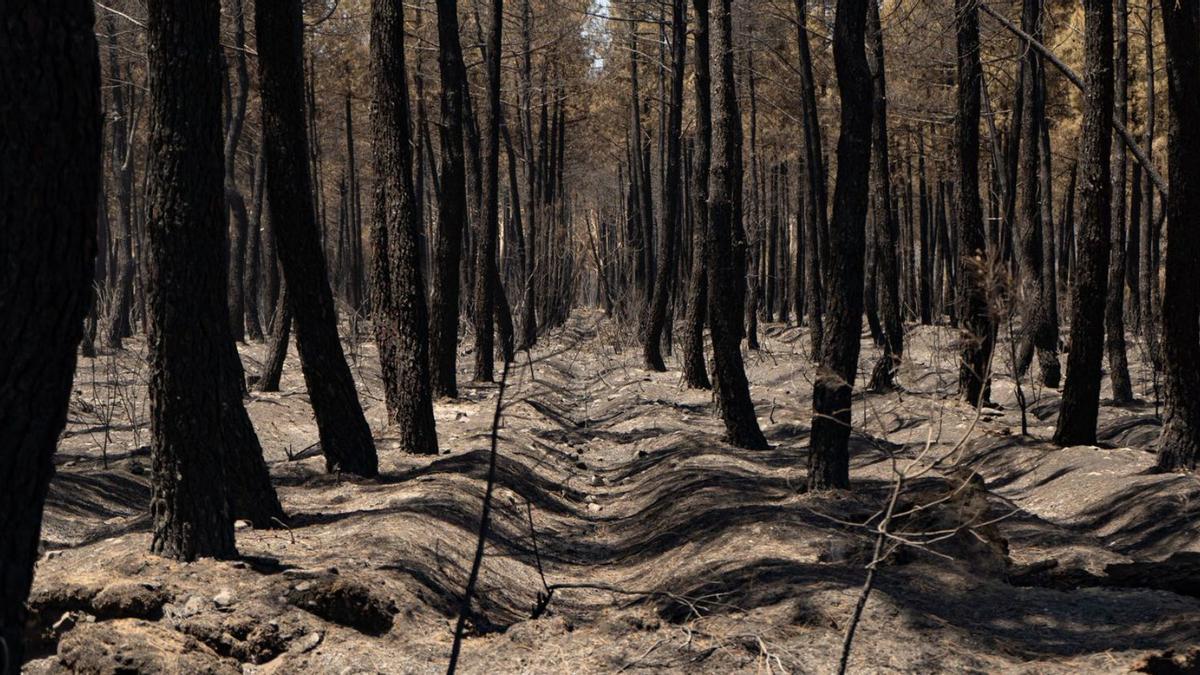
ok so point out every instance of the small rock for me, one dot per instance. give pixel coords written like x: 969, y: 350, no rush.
x: 597, y: 481
x: 225, y: 598
x: 241, y: 525
x: 129, y: 599
x: 307, y: 643
x: 51, y: 555
x: 594, y: 508
x: 192, y: 607
x: 581, y: 465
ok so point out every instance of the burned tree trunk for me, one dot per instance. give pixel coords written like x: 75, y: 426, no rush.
x: 817, y: 225
x: 733, y: 390
x: 1037, y: 330
x: 51, y: 145
x: 829, y: 455
x: 238, y: 218
x: 397, y: 289
x: 978, y: 334
x: 489, y: 221
x: 191, y: 511
x: 1114, y: 309
x: 887, y: 237
x: 114, y: 325
x: 345, y: 437
x: 1179, y: 445
x: 694, y: 370
x: 1081, y: 393
x: 452, y: 202
x: 665, y: 276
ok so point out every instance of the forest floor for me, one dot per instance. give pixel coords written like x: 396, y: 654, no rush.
x: 666, y: 549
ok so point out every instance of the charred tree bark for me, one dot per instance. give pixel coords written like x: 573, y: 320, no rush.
x: 489, y: 223
x: 887, y: 235
x: 397, y: 289
x: 665, y: 276
x: 50, y: 146
x: 277, y: 347
x: 829, y: 455
x: 452, y: 202
x: 189, y: 319
x: 1037, y: 332
x: 1081, y: 393
x: 1114, y: 309
x: 238, y: 218
x: 114, y: 324
x: 695, y: 374
x: 817, y: 224
x: 978, y: 334
x: 345, y: 437
x: 732, y: 388
x: 1179, y: 445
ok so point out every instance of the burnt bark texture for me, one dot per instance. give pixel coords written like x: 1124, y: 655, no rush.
x: 978, y: 332
x: 695, y: 374
x: 452, y: 207
x: 486, y: 276
x: 732, y: 387
x: 829, y: 455
x: 887, y: 230
x: 1081, y: 392
x: 1114, y: 309
x: 816, y: 214
x: 1037, y: 330
x: 50, y: 149
x: 664, y: 278
x: 345, y: 437
x: 397, y: 289
x: 1179, y: 445
x: 189, y: 319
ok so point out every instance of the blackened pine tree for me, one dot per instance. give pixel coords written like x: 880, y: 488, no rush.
x: 664, y: 278
x: 694, y: 373
x: 1081, y: 392
x: 1179, y: 445
x: 50, y: 148
x: 816, y: 218
x: 978, y: 330
x: 828, y: 455
x: 397, y: 288
x: 887, y: 230
x: 345, y: 437
x: 188, y: 315
x: 1038, y: 329
x: 452, y: 207
x: 486, y: 276
x: 732, y: 388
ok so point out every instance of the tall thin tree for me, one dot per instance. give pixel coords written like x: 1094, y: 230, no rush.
x: 978, y: 334
x: 452, y: 207
x: 664, y: 278
x: 1081, y: 393
x: 828, y: 455
x: 724, y: 182
x: 1179, y: 445
x: 397, y: 288
x: 345, y: 437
